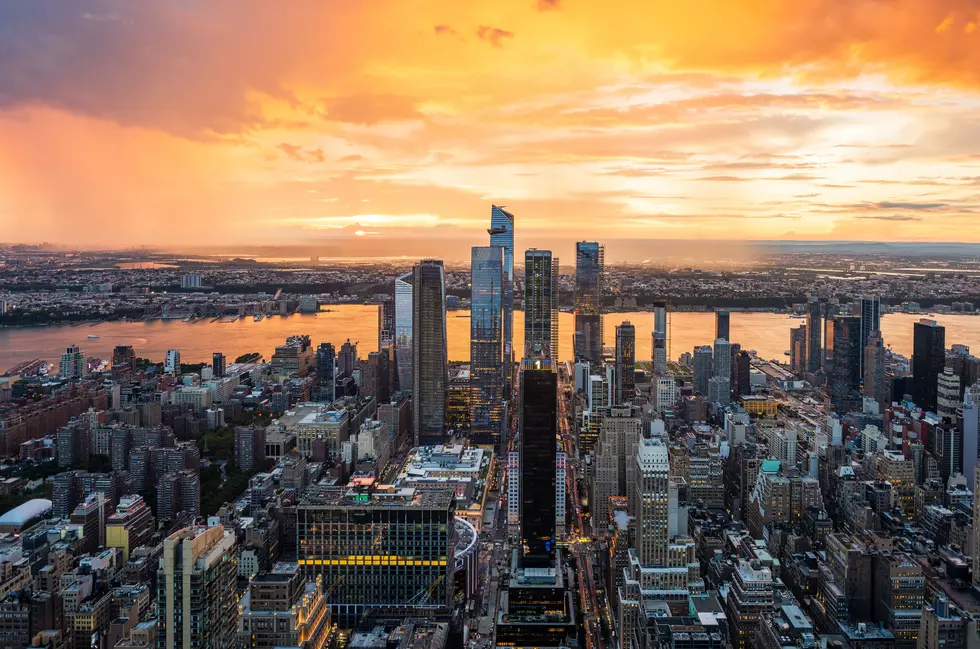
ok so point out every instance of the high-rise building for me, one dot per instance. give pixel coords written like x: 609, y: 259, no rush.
x: 326, y: 379
x: 196, y: 593
x: 702, y: 369
x: 486, y: 344
x: 123, y: 362
x: 249, y: 446
x: 721, y: 374
x: 281, y: 608
x: 589, y: 271
x: 749, y: 598
x: 501, y: 233
x: 742, y: 367
x: 928, y: 361
x: 540, y: 303
x: 296, y: 357
x: 131, y: 526
x: 172, y: 363
x: 875, y: 381
x: 723, y: 325
x: 404, y: 312
x: 625, y: 363
x: 968, y: 421
x: 814, y: 328
x: 430, y: 372
x: 650, y: 502
x: 660, y: 338
x: 538, y: 443
x: 191, y: 280
x: 944, y: 626
x: 72, y: 365
x: 218, y: 364
x: 347, y: 359
x: 845, y: 379
x: 948, y: 394
x: 870, y: 320
x: 386, y: 322
x: 614, y: 470
x: 797, y: 349
x: 378, y: 548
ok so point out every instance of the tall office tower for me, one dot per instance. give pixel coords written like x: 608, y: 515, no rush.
x: 196, y: 594
x: 513, y: 489
x: 928, y: 361
x: 720, y: 383
x: 875, y: 385
x: 378, y: 547
x: 947, y: 394
x: 555, y: 307
x: 281, y: 608
x: 845, y: 379
x: 131, y: 526
x: 968, y: 422
x: 650, y: 502
x: 326, y: 373
x: 486, y: 344
x: 430, y: 373
x: 743, y: 374
x: 172, y: 363
x: 347, y: 359
x: 750, y: 596
x: 72, y: 364
x: 538, y: 442
x: 723, y: 325
x: 404, y: 312
x: 123, y: 362
x: 589, y: 270
x: 615, y: 470
x: 702, y: 368
x: 540, y: 303
x: 218, y: 364
x: 814, y: 327
x: 660, y: 338
x: 386, y: 322
x: 797, y: 349
x: 561, y: 494
x: 625, y: 363
x: 870, y: 320
x: 502, y: 236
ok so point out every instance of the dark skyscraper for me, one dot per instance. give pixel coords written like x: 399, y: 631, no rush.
x: 218, y: 364
x: 928, y: 361
x: 386, y: 322
x: 873, y: 371
x: 486, y: 344
x: 538, y: 442
x: 625, y: 363
x: 502, y: 236
x: 845, y: 379
x: 429, y: 362
x: 540, y: 303
x: 589, y: 264
x: 743, y: 377
x: 723, y: 325
x: 660, y: 338
x: 798, y: 349
x: 326, y: 359
x: 123, y: 362
x: 814, y: 328
x: 702, y: 368
x: 870, y: 320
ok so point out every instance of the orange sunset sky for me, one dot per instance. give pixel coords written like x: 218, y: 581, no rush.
x: 235, y: 122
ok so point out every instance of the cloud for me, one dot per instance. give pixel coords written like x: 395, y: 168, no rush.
x: 726, y: 179
x: 493, y: 35
x: 351, y: 158
x: 370, y: 109
x: 548, y: 5
x: 890, y: 205
x: 892, y: 217
x: 445, y: 30
x: 295, y: 152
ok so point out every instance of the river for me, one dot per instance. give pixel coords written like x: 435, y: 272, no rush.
x: 767, y: 333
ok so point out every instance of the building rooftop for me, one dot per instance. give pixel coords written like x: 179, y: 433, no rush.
x: 378, y: 496
x: 25, y: 512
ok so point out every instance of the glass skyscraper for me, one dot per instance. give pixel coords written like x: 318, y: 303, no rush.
x: 814, y: 328
x: 870, y: 320
x: 502, y: 236
x: 928, y: 361
x: 540, y: 304
x: 589, y: 263
x: 486, y: 344
x: 403, y: 331
x: 625, y: 363
x: 845, y: 381
x: 538, y: 447
x: 429, y: 356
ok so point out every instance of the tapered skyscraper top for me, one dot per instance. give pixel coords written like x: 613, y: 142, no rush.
x: 429, y: 356
x: 589, y: 267
x: 501, y: 233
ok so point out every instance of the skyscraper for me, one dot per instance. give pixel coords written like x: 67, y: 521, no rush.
x: 723, y: 324
x: 870, y: 320
x: 326, y: 379
x: 928, y: 360
x: 660, y: 338
x: 948, y: 394
x: 845, y: 378
x: 429, y: 357
x: 797, y: 349
x: 123, y: 362
x: 502, y: 236
x: 743, y: 373
x: 540, y: 303
x: 486, y: 343
x: 814, y: 327
x: 196, y: 594
x: 404, y: 312
x: 875, y: 386
x: 589, y: 270
x: 625, y: 363
x: 651, y: 506
x: 702, y: 368
x: 172, y: 363
x: 538, y: 442
x: 386, y: 322
x: 72, y: 365
x: 218, y: 364
x: 347, y: 359
x: 721, y: 374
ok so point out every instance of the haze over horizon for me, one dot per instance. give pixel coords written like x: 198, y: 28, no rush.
x: 392, y: 126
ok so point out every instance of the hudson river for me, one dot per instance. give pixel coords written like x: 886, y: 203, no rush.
x: 767, y: 333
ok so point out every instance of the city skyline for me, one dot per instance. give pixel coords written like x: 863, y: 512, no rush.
x: 811, y: 122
